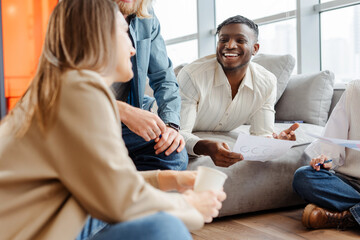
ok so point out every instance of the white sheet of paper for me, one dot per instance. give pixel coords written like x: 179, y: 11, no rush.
x: 353, y: 144
x: 256, y: 148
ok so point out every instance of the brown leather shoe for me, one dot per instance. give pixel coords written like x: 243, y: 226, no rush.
x: 315, y: 217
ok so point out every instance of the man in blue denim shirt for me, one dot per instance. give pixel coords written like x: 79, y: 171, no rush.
x: 153, y: 140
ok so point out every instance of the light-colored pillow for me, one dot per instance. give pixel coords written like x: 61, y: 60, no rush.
x: 280, y: 65
x: 307, y: 98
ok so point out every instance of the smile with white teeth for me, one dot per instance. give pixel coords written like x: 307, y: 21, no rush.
x: 231, y: 54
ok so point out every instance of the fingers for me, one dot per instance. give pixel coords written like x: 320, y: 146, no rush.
x: 226, y: 158
x: 285, y: 136
x: 221, y: 196
x: 294, y: 126
x: 174, y: 145
x: 288, y: 134
x: 214, y: 205
x: 327, y: 166
x: 151, y: 134
x: 292, y: 136
x: 234, y: 155
x: 170, y: 141
x: 161, y: 125
x: 182, y: 145
x: 225, y: 162
x: 317, y: 162
x: 208, y: 203
x: 229, y: 154
x: 225, y: 146
x: 163, y: 143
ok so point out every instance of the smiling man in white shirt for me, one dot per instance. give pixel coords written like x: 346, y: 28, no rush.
x: 223, y: 91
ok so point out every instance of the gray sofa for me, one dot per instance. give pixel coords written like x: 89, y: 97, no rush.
x: 254, y: 186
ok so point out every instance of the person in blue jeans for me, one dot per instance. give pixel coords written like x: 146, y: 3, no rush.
x: 153, y: 141
x: 332, y: 181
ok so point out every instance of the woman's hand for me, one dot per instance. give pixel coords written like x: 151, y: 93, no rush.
x: 208, y: 203
x: 176, y: 180
x: 320, y: 161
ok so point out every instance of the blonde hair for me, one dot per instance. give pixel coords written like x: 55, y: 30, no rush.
x: 80, y: 35
x: 141, y: 8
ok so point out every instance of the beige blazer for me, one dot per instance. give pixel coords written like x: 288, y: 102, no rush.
x: 49, y: 184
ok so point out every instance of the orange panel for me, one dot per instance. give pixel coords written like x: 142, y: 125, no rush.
x: 12, y: 101
x: 24, y: 27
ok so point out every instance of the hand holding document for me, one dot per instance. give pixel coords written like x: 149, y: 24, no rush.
x: 256, y: 148
x: 353, y: 144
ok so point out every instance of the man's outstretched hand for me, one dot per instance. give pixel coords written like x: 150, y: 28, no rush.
x: 218, y: 151
x: 288, y: 134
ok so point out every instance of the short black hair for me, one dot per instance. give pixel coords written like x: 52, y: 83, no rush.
x: 241, y: 20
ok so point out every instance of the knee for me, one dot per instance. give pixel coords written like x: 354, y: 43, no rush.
x: 301, y: 177
x: 168, y: 226
x: 179, y: 161
x: 184, y: 159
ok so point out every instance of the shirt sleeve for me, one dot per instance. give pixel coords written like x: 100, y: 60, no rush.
x: 162, y: 78
x: 189, y: 106
x: 336, y: 127
x: 151, y: 177
x: 262, y: 122
x: 92, y: 161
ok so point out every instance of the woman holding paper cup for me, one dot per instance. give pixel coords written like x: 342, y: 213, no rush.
x: 332, y: 181
x: 62, y: 158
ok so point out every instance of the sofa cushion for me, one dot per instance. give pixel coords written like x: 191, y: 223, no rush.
x: 280, y: 65
x: 307, y: 98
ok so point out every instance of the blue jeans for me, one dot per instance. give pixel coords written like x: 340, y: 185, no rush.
x: 143, y: 154
x: 159, y: 226
x: 328, y: 190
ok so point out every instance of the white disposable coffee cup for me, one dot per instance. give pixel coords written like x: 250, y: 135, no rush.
x: 209, y: 179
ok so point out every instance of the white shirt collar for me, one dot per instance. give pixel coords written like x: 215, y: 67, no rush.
x: 220, y: 77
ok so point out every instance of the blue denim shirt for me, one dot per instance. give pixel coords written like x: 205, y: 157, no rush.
x: 151, y: 61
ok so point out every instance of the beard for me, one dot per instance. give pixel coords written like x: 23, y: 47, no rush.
x: 231, y: 69
x: 127, y: 8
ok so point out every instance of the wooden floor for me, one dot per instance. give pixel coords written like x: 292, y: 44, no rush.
x: 275, y: 224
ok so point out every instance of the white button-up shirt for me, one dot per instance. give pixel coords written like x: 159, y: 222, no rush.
x: 207, y: 103
x: 343, y: 124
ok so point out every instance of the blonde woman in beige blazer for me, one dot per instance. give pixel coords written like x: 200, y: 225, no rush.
x: 62, y: 158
